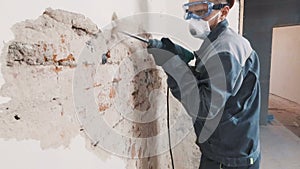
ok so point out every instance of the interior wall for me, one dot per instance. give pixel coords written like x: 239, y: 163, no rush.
x: 29, y: 153
x: 285, y: 70
x: 259, y: 19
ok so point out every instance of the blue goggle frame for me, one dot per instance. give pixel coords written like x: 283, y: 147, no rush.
x: 211, y: 6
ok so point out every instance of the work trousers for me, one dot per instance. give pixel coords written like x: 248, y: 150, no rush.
x: 207, y: 163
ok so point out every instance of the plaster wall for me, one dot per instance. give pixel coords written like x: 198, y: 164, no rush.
x: 285, y: 63
x: 40, y: 139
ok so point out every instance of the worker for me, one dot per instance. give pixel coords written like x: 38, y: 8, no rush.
x: 226, y: 73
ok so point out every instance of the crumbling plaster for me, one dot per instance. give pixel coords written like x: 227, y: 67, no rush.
x: 22, y: 122
x: 38, y: 68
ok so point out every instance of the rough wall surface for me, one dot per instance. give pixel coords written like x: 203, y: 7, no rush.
x: 38, y: 67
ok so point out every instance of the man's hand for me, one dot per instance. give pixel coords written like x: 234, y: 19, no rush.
x: 165, y: 49
x: 162, y: 50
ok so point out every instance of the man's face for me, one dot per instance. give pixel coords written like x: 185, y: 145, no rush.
x: 201, y: 9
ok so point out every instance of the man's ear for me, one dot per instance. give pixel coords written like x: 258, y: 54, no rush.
x: 224, y: 12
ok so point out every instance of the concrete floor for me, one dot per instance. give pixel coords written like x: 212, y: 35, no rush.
x: 281, y: 138
x: 285, y: 111
x: 280, y: 148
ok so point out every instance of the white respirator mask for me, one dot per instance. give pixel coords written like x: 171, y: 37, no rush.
x: 200, y: 28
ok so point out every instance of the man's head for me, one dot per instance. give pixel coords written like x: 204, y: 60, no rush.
x: 209, y: 12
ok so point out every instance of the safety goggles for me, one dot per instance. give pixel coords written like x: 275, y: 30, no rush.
x: 200, y: 9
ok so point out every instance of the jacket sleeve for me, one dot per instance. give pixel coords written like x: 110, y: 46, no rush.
x: 204, y: 89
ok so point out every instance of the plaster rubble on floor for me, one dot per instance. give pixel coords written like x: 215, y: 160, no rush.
x: 38, y: 68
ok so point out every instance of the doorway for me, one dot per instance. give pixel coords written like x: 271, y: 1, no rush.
x: 284, y: 99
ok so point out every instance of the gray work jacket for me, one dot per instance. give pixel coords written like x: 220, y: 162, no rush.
x: 226, y: 74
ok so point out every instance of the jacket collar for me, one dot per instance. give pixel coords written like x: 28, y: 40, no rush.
x: 217, y: 30
x: 213, y: 35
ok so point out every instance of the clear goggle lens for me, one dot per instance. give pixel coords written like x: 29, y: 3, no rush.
x: 200, y: 9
